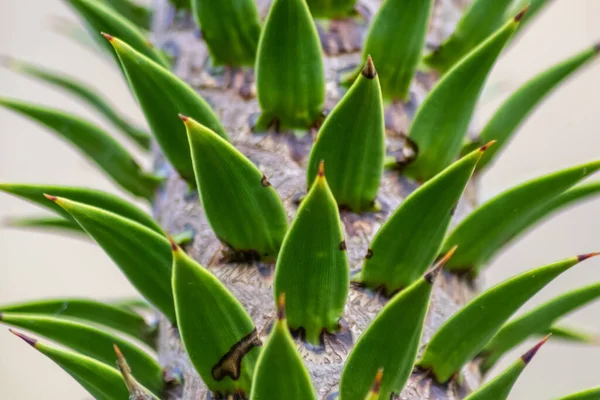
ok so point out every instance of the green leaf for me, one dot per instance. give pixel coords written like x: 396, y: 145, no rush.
x: 280, y: 372
x: 476, y: 25
x: 410, y: 240
x: 100, y: 380
x: 499, y: 388
x: 242, y: 207
x: 91, y: 197
x: 352, y: 144
x: 100, y: 17
x: 143, y: 255
x: 515, y: 110
x: 590, y: 394
x: 333, y: 9
x: 136, y: 390
x: 57, y: 224
x: 376, y: 388
x: 218, y: 334
x: 466, y: 333
x: 90, y: 311
x: 75, y: 32
x: 312, y: 268
x: 162, y: 96
x: 402, y: 317
x: 535, y: 7
x: 537, y: 321
x: 91, y: 342
x: 490, y: 226
x: 181, y: 4
x: 137, y: 14
x: 442, y: 120
x: 94, y: 143
x: 290, y: 76
x: 230, y: 28
x: 85, y: 93
x: 395, y: 41
x: 574, y: 335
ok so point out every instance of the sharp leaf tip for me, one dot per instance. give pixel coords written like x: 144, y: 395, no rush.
x: 583, y: 257
x: 29, y: 340
x: 439, y: 265
x: 321, y: 170
x: 487, y: 145
x: 520, y: 15
x: 369, y: 70
x: 281, y: 307
x: 50, y: 197
x: 108, y: 37
x: 531, y: 352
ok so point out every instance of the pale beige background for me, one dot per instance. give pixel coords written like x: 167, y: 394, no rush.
x: 565, y: 131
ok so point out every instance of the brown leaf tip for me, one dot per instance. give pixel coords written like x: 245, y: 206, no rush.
x: 184, y: 118
x: 108, y: 37
x: 439, y: 265
x: 281, y: 307
x: 50, y: 197
x: 487, y: 145
x: 520, y: 15
x: 321, y: 170
x: 583, y: 257
x: 30, y: 341
x: 369, y: 71
x: 118, y: 352
x: 531, y: 352
x: 174, y: 245
x: 377, y: 384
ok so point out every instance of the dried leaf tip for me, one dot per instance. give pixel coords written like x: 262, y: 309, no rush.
x: 321, y: 170
x: 531, y: 352
x: 377, y: 384
x: 583, y: 257
x: 50, y: 197
x: 520, y: 15
x: 108, y: 37
x: 27, y: 339
x: 281, y: 307
x: 174, y: 246
x: 369, y: 71
x: 435, y: 271
x: 487, y: 145
x: 184, y: 118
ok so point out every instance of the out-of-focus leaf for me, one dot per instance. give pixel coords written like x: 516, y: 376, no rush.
x: 91, y: 342
x: 143, y: 255
x: 410, y: 239
x: 466, y: 333
x: 74, y: 31
x: 331, y: 8
x: 280, y: 371
x: 139, y: 15
x: 496, y: 221
x: 162, y: 96
x: 574, y: 335
x: 352, y: 144
x: 218, y: 334
x: 402, y: 317
x: 85, y: 93
x: 110, y: 156
x: 537, y: 321
x: 91, y: 311
x: 312, y: 269
x: 91, y: 197
x: 230, y: 28
x: 535, y: 7
x: 515, y: 110
x: 590, y: 394
x: 290, y: 77
x: 241, y: 205
x: 57, y: 224
x: 442, y: 120
x: 376, y: 388
x: 395, y: 41
x: 499, y: 388
x: 136, y: 390
x: 181, y: 4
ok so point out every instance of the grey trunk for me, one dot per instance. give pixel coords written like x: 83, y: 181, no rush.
x: 281, y: 157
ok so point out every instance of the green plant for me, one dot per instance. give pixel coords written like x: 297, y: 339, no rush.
x: 274, y: 296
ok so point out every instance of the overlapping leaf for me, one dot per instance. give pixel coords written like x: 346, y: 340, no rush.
x: 136, y: 390
x: 136, y: 13
x: 53, y: 224
x: 466, y: 333
x: 570, y: 334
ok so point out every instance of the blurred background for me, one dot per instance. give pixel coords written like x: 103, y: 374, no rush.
x: 565, y: 131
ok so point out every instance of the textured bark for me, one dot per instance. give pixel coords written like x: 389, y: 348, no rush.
x: 282, y: 157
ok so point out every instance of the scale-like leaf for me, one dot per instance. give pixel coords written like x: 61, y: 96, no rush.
x: 537, y: 321
x: 110, y: 156
x: 442, y: 120
x: 138, y: 15
x: 410, y: 240
x: 466, y: 333
x: 100, y: 380
x: 162, y: 96
x: 280, y: 372
x: 574, y: 335
x: 332, y: 9
x: 230, y: 28
x: 476, y: 24
x: 241, y: 205
x: 136, y: 390
x: 91, y: 197
x: 590, y: 394
x: 499, y: 388
x: 496, y: 221
x: 91, y: 342
x: 312, y: 268
x: 515, y: 110
x: 352, y: 144
x: 85, y: 93
x: 218, y: 334
x: 376, y: 388
x: 398, y: 326
x: 56, y: 224
x: 91, y: 311
x: 143, y: 255
x: 395, y: 41
x: 290, y: 77
x: 99, y: 17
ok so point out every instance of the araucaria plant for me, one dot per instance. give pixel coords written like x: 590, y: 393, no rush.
x: 307, y: 176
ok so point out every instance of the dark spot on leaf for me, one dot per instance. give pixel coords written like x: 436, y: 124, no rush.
x: 265, y: 182
x: 369, y: 254
x: 231, y: 363
x: 343, y: 245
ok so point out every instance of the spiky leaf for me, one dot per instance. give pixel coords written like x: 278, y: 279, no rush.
x: 162, y: 96
x: 395, y: 41
x: 290, y: 77
x: 136, y: 13
x: 352, y: 144
x: 590, y: 394
x: 143, y: 255
x: 411, y: 238
x: 442, y: 120
x: 331, y: 8
x: 312, y: 269
x: 218, y: 334
x: 241, y: 205
x: 465, y: 334
x: 496, y: 221
x: 136, y: 390
x: 535, y: 7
